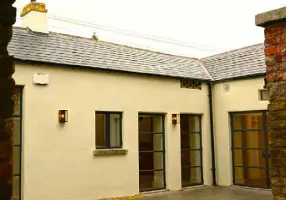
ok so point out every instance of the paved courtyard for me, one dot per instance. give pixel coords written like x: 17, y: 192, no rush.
x: 211, y: 193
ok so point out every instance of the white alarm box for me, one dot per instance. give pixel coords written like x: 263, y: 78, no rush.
x: 41, y: 79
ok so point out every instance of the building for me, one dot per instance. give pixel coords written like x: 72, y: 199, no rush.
x: 95, y: 119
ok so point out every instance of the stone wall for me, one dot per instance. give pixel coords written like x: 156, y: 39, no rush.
x: 275, y: 59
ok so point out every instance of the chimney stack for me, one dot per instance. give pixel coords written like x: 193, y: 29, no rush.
x: 34, y: 16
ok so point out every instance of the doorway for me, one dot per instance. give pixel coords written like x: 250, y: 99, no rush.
x: 250, y: 153
x: 151, y: 152
x: 191, y: 150
x: 17, y: 145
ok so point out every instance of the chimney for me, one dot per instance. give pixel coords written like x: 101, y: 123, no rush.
x: 34, y: 16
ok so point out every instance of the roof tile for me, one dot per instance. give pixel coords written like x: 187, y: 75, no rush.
x: 71, y: 50
x: 236, y: 63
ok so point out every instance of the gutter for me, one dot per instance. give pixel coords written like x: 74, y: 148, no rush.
x: 108, y: 70
x: 212, y: 133
x: 250, y: 76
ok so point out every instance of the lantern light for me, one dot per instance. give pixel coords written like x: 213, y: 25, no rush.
x: 174, y: 119
x: 63, y: 116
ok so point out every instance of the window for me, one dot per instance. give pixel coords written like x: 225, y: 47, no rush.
x: 108, y: 130
x: 264, y: 95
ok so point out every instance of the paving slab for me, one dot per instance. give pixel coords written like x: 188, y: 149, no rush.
x: 213, y: 193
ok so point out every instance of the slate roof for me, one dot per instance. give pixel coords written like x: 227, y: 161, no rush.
x: 242, y: 62
x: 70, y: 50
x: 77, y: 51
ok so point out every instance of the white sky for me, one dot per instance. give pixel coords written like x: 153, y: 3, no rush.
x: 204, y: 27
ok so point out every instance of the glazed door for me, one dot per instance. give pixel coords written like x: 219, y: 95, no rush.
x: 250, y: 149
x: 151, y: 152
x: 191, y: 150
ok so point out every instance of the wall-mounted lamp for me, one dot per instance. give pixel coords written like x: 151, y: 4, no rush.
x: 174, y: 119
x: 265, y: 83
x: 63, y: 116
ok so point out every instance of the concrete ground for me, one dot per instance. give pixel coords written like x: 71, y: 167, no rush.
x: 211, y: 193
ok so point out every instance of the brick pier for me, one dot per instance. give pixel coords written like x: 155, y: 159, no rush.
x: 274, y: 23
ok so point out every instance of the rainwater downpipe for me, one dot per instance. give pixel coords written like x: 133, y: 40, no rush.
x: 212, y: 133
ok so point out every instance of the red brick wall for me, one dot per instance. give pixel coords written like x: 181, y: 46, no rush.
x: 275, y: 52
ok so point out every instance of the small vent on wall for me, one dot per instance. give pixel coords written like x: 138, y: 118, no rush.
x: 191, y: 84
x: 226, y: 87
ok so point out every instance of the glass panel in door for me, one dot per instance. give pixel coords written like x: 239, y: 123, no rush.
x: 191, y: 150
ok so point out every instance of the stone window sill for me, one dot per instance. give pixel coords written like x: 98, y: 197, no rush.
x: 109, y: 152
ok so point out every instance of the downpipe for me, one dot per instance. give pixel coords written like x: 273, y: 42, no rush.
x: 212, y: 133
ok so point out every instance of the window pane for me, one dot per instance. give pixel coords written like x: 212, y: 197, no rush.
x: 157, y: 124
x: 184, y: 123
x: 115, y: 126
x: 151, y: 180
x: 16, y: 159
x: 16, y: 187
x: 194, y: 124
x: 16, y: 130
x: 249, y: 139
x: 195, y: 157
x: 145, y: 124
x: 250, y: 176
x: 100, y: 131
x: 150, y: 124
x: 190, y: 158
x: 191, y: 176
x: 151, y: 160
x: 248, y: 121
x: 237, y: 139
x: 254, y: 139
x: 190, y: 123
x: 253, y: 158
x: 151, y: 142
x: 17, y: 103
x: 190, y: 141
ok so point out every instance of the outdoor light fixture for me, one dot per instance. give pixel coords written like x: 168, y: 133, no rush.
x: 63, y: 116
x: 174, y: 119
x: 265, y: 83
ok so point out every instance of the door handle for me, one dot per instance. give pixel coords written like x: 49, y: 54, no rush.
x: 266, y: 155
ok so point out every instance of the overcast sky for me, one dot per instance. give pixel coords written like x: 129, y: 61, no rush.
x: 184, y: 27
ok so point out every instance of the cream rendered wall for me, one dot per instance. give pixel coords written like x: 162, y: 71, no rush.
x: 242, y: 96
x: 58, y: 161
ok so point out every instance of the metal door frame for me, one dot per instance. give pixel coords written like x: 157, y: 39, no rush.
x: 265, y: 150
x: 200, y: 149
x: 20, y: 145
x: 163, y: 151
